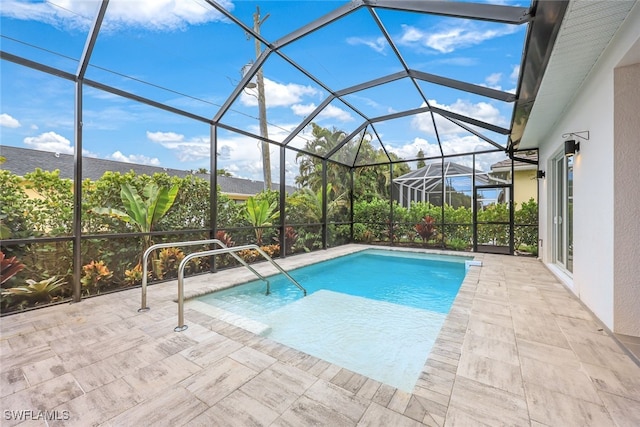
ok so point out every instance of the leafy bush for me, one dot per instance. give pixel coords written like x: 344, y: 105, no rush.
x: 457, y: 244
x: 526, y: 225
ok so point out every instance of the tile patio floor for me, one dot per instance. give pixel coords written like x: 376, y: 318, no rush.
x: 516, y: 349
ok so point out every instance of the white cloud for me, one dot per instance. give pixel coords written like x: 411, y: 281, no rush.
x: 333, y: 112
x: 303, y: 110
x: 49, y: 141
x: 515, y: 73
x: 454, y: 145
x: 243, y: 157
x: 329, y: 112
x: 278, y: 94
x: 493, y: 81
x: 138, y: 159
x: 482, y: 111
x: 449, y: 39
x: 410, y: 150
x: 164, y: 137
x: 378, y: 44
x: 159, y: 15
x: 186, y: 150
x: 8, y: 122
x: 461, y: 61
x: 239, y: 154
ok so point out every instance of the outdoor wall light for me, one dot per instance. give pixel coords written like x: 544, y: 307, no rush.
x: 571, y: 146
x: 541, y: 174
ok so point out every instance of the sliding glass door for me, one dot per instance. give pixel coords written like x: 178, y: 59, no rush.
x: 563, y: 212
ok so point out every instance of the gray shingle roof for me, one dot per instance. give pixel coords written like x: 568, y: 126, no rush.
x: 505, y: 165
x: 21, y: 161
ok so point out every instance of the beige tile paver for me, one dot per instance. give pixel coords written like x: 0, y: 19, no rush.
x: 516, y: 349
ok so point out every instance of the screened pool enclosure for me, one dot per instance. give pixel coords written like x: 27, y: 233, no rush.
x: 359, y: 121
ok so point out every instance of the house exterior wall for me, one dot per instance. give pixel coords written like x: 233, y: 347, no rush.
x: 595, y: 192
x: 626, y: 273
x: 525, y: 186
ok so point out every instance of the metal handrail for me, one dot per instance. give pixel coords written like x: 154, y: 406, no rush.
x: 181, y: 326
x: 145, y: 257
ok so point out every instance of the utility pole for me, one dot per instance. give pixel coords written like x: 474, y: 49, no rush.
x: 262, y: 108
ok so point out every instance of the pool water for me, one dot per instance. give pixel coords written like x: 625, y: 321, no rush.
x: 375, y: 312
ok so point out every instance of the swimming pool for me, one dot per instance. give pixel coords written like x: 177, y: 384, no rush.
x: 375, y: 312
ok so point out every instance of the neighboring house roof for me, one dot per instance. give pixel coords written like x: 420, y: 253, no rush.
x: 21, y: 161
x: 505, y: 165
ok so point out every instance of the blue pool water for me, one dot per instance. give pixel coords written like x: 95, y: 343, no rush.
x: 375, y: 312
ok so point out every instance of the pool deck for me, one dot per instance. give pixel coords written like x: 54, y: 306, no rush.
x: 516, y: 349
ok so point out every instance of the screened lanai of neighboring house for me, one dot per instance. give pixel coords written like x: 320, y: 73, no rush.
x: 425, y: 184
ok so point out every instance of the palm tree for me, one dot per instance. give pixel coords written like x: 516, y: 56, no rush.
x: 324, y: 140
x: 420, y: 157
x: 370, y: 180
x: 314, y: 202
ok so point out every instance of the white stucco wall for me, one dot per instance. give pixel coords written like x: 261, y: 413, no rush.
x: 592, y: 110
x: 626, y: 303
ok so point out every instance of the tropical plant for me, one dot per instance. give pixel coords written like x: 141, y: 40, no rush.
x: 93, y: 274
x: 324, y: 140
x: 420, y: 156
x: 36, y: 292
x: 143, y: 211
x: 225, y: 238
x: 369, y: 181
x: 290, y: 239
x: 260, y: 213
x: 271, y: 250
x: 134, y: 275
x: 9, y: 268
x: 310, y: 203
x: 169, y: 260
x: 426, y: 228
x: 392, y: 231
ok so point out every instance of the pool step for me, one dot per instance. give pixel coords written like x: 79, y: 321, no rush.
x: 246, y: 308
x: 250, y: 325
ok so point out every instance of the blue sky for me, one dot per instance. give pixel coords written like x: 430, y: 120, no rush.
x: 184, y: 54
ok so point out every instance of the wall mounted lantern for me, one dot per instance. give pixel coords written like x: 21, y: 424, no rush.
x: 572, y: 146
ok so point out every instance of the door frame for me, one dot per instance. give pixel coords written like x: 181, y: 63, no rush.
x: 483, y: 247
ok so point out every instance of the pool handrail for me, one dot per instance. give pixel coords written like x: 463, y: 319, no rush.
x: 181, y: 326
x: 145, y: 257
